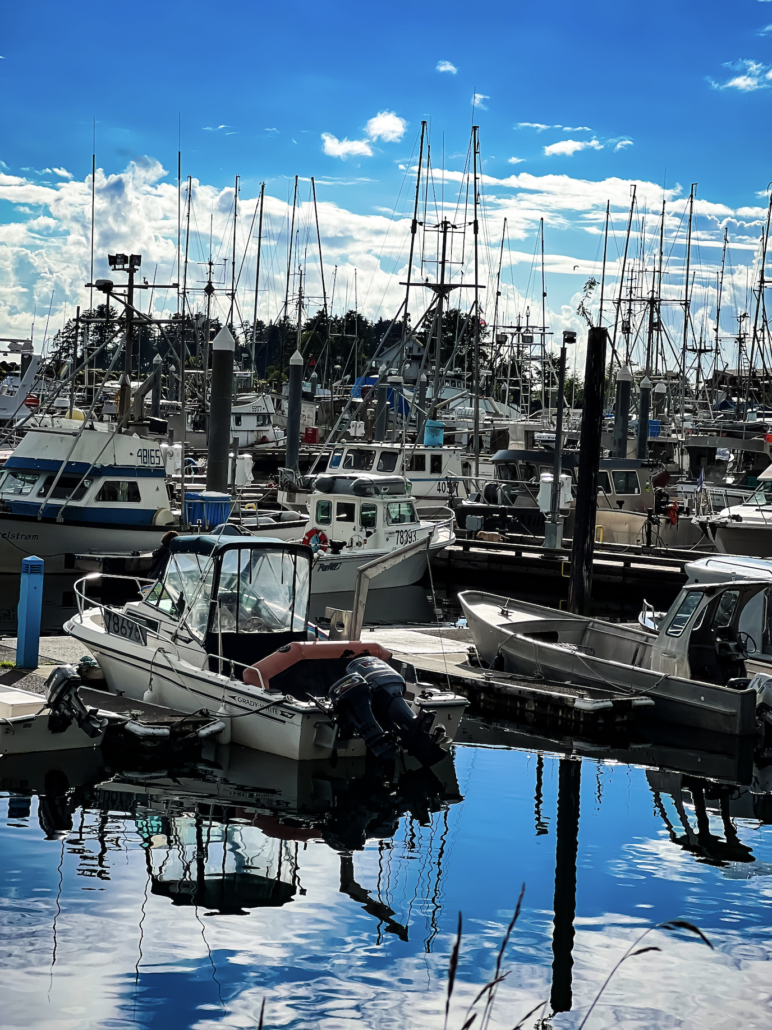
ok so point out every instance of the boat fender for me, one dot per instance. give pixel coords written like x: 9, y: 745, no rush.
x: 227, y: 730
x: 211, y: 729
x: 163, y: 517
x: 145, y: 732
x: 351, y: 697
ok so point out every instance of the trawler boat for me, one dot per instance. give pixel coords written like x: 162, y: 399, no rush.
x: 16, y: 398
x: 225, y: 629
x: 91, y: 490
x: 435, y: 473
x: 357, y: 517
x: 693, y: 664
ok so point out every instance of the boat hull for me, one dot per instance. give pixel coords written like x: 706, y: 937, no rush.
x: 687, y: 702
x: 56, y: 543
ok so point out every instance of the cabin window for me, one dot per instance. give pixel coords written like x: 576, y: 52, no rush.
x: 604, y: 485
x: 345, y: 512
x: 323, y: 513
x: 398, y: 512
x: 19, y: 484
x: 625, y: 482
x: 436, y: 464
x: 685, y: 611
x: 335, y: 457
x: 262, y: 419
x: 360, y: 460
x: 114, y: 492
x: 368, y: 516
x: 65, y: 487
x: 387, y: 461
x: 726, y: 609
x: 262, y: 592
x: 237, y: 420
x: 418, y: 463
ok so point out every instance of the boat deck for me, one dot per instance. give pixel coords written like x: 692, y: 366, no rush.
x: 445, y: 656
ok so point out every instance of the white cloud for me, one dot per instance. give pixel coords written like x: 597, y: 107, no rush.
x: 516, y: 160
x: 344, y: 148
x: 446, y: 66
x: 623, y: 143
x: 477, y: 100
x: 575, y: 128
x: 386, y: 126
x: 567, y: 147
x: 765, y: 31
x: 539, y: 126
x: 270, y: 130
x: 62, y: 173
x: 215, y: 128
x: 752, y: 75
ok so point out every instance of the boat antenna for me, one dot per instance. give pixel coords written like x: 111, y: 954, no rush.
x: 686, y: 302
x: 257, y: 270
x: 476, y: 370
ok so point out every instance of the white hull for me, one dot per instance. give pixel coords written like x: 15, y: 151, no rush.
x: 337, y: 573
x: 22, y: 538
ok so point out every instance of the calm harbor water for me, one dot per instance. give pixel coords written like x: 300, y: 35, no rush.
x: 184, y: 897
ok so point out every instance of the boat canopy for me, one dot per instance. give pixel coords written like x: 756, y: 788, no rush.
x: 362, y: 485
x: 209, y: 543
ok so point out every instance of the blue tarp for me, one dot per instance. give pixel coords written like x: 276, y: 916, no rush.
x: 356, y: 391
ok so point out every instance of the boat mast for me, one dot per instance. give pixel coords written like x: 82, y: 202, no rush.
x: 686, y: 302
x: 257, y: 270
x: 759, y: 299
x: 543, y: 321
x: 232, y: 312
x: 622, y: 282
x: 289, y: 269
x: 413, y: 229
x: 719, y: 298
x: 475, y: 231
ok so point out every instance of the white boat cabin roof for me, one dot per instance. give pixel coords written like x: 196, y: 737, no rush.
x: 362, y: 485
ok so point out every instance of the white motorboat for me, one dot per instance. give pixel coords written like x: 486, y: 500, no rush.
x: 695, y: 662
x: 357, y: 517
x: 225, y: 630
x: 92, y: 490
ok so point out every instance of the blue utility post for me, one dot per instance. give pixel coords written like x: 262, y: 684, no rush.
x: 29, y: 613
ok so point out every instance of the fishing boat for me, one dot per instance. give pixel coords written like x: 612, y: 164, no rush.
x: 695, y: 664
x: 357, y: 517
x: 225, y: 629
x: 79, y: 491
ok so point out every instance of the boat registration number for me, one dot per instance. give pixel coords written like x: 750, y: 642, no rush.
x: 120, y: 626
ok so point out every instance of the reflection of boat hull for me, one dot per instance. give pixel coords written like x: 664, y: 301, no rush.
x: 23, y: 537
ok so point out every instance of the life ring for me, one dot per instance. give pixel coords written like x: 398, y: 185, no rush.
x: 316, y: 539
x: 264, y: 439
x: 31, y: 401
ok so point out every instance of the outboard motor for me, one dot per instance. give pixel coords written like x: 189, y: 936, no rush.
x: 351, y: 696
x: 66, y: 705
x: 392, y: 711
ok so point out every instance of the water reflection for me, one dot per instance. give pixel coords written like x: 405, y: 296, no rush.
x: 183, y: 897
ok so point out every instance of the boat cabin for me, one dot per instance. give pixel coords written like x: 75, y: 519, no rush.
x: 364, y: 510
x: 94, y: 477
x: 433, y: 471
x: 240, y: 598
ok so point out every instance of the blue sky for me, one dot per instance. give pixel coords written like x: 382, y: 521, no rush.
x: 661, y: 94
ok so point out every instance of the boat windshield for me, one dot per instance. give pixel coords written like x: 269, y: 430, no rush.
x: 762, y: 494
x: 263, y: 592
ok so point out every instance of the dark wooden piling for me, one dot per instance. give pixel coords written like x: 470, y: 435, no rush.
x: 580, y: 582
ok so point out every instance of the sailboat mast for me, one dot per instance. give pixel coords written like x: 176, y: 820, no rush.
x: 289, y: 269
x: 543, y: 320
x: 603, y: 272
x: 475, y: 231
x: 686, y: 302
x: 759, y: 299
x: 622, y: 280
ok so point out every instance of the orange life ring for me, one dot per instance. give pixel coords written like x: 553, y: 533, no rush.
x: 316, y: 539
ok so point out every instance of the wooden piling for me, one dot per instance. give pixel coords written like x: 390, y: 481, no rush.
x: 580, y: 582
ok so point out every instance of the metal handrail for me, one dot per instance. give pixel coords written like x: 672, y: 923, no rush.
x: 83, y: 598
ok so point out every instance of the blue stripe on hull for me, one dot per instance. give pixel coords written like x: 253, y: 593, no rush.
x: 82, y: 467
x: 74, y: 515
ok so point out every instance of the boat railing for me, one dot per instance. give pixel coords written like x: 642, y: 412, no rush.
x: 83, y: 600
x: 442, y: 531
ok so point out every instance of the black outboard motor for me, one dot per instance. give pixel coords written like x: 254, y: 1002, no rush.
x: 66, y: 705
x: 351, y: 696
x: 392, y: 711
